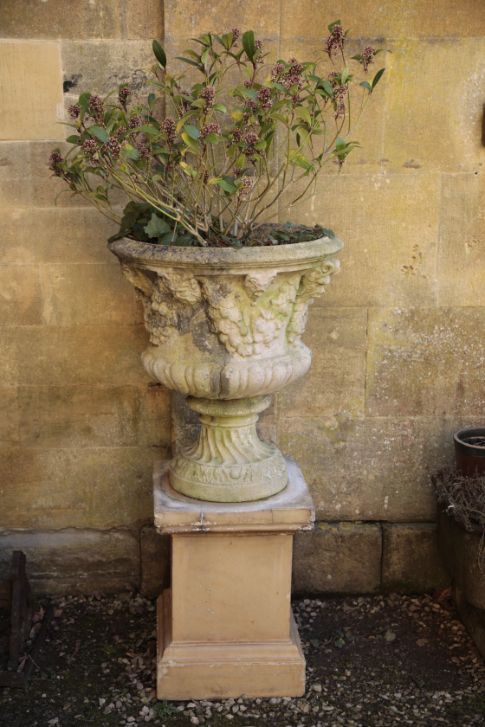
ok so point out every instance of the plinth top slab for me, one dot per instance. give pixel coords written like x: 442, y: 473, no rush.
x: 292, y: 509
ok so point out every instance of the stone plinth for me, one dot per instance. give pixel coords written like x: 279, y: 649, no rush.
x: 225, y: 627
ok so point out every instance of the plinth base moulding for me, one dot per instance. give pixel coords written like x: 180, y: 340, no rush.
x: 225, y: 627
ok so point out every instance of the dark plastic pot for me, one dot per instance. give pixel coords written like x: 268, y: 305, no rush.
x: 470, y: 451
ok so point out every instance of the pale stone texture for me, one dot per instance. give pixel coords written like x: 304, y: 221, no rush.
x: 338, y: 558
x: 58, y: 19
x: 154, y: 561
x: 411, y: 561
x: 91, y: 487
x: 461, y: 261
x: 86, y: 294
x: 31, y: 91
x: 55, y: 235
x: 337, y: 339
x: 75, y: 561
x: 391, y: 19
x: 389, y: 235
x: 100, y: 67
x: 184, y: 18
x: 371, y: 469
x: 20, y: 295
x: 426, y: 362
x: 142, y: 19
x: 434, y: 105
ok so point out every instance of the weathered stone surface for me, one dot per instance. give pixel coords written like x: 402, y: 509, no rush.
x: 336, y: 380
x: 396, y: 19
x: 183, y: 18
x: 442, y: 130
x: 95, y: 354
x: 371, y: 469
x: 143, y: 19
x: 411, y: 562
x: 57, y: 19
x: 20, y: 295
x: 425, y: 362
x: 100, y: 67
x: 338, y: 558
x: 87, y: 294
x: 9, y: 419
x: 461, y: 262
x: 55, y: 235
x: 31, y: 90
x: 84, y: 416
x: 75, y: 561
x: 389, y: 235
x: 90, y: 487
x: 155, y: 561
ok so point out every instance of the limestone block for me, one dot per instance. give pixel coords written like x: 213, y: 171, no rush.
x: 55, y: 235
x: 100, y: 67
x: 186, y: 18
x: 143, y: 19
x: 396, y: 19
x: 20, y: 295
x: 426, y: 362
x: 31, y: 90
x: 338, y: 558
x: 57, y: 19
x: 155, y: 561
x: 336, y: 380
x: 94, y: 354
x: 411, y: 561
x: 389, y: 235
x: 87, y: 294
x: 153, y: 421
x: 9, y: 420
x: 75, y: 561
x: 92, y: 487
x: 90, y: 416
x: 370, y: 469
x: 8, y: 357
x: 425, y: 126
x: 461, y: 262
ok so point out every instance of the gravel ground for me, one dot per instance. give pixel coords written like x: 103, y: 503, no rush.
x: 380, y: 660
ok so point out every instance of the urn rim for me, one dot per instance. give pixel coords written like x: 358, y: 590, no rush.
x: 222, y: 258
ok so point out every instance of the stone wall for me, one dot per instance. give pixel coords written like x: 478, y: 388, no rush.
x: 397, y: 341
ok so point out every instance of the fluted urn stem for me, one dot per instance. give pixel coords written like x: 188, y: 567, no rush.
x: 229, y: 462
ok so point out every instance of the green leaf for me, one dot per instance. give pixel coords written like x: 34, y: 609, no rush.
x: 220, y: 107
x: 99, y: 133
x: 344, y: 76
x: 249, y: 44
x: 73, y: 139
x: 156, y: 227
x: 296, y: 158
x: 191, y: 143
x: 377, y: 78
x: 332, y: 25
x: 84, y: 101
x: 159, y: 53
x: 151, y: 100
x: 129, y: 152
x: 227, y: 185
x: 190, y: 62
x: 326, y: 87
x: 303, y: 113
x: 366, y: 85
x: 192, y: 131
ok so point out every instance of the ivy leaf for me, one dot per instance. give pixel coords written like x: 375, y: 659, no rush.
x: 99, y: 133
x: 159, y: 53
x: 249, y: 44
x: 156, y: 227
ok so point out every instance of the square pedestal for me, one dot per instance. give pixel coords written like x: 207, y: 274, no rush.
x: 225, y: 627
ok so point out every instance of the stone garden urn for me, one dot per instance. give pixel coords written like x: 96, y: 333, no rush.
x: 225, y: 330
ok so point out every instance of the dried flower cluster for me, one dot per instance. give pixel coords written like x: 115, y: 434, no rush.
x: 209, y: 169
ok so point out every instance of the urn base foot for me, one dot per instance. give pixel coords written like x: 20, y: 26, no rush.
x: 229, y: 462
